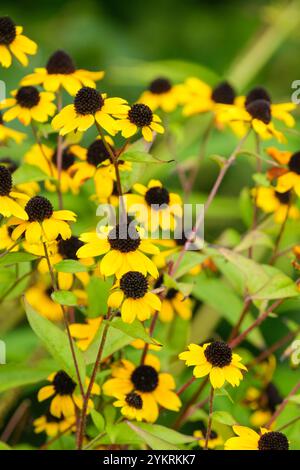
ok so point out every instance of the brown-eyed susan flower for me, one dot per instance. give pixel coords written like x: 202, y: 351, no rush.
x: 123, y: 248
x: 52, y: 426
x: 280, y: 204
x: 131, y: 294
x: 250, y: 440
x: 139, y: 117
x: 13, y: 42
x: 7, y: 134
x: 39, y: 297
x: 65, y: 397
x: 290, y: 176
x: 173, y: 303
x: 160, y: 94
x: 42, y: 223
x: 60, y: 72
x: 263, y: 403
x: 140, y: 344
x: 84, y: 333
x: 217, y: 360
x: 8, y: 198
x: 31, y: 188
x: 29, y: 104
x: 6, y: 242
x: 155, y: 388
x: 132, y: 406
x: 154, y: 206
x: 214, y: 438
x: 89, y: 107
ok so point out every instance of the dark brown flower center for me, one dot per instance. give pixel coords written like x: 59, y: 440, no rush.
x: 68, y: 248
x: 38, y: 209
x: 135, y: 400
x: 28, y: 96
x: 7, y: 30
x: 60, y: 63
x: 160, y: 85
x: 157, y: 196
x: 134, y: 284
x: 97, y: 153
x: 63, y: 384
x: 294, y: 163
x: 1, y: 119
x: 284, y: 198
x: 171, y: 293
x: 140, y: 115
x: 261, y: 110
x: 10, y: 164
x: 257, y: 93
x: 68, y: 159
x: 5, y: 181
x: 124, y: 238
x: 273, y: 396
x: 52, y: 419
x: 273, y: 441
x: 218, y: 353
x: 223, y: 93
x: 88, y: 101
x: 145, y: 378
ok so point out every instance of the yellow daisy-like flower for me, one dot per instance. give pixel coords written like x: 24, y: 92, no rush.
x: 39, y: 297
x: 263, y: 403
x: 90, y: 107
x: 216, y: 360
x: 214, y: 439
x: 60, y: 72
x: 132, y: 406
x: 173, y: 303
x: 250, y: 440
x: 133, y: 297
x: 52, y: 426
x: 6, y: 242
x: 31, y: 188
x: 27, y: 104
x: 13, y: 42
x: 7, y: 134
x: 161, y: 94
x: 123, y: 249
x: 42, y: 223
x: 84, y: 333
x: 290, y: 177
x: 139, y: 117
x: 155, y: 388
x: 65, y: 399
x: 8, y: 204
x: 154, y: 206
x: 272, y: 201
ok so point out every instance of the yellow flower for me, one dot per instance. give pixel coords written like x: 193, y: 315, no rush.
x: 290, y: 177
x: 7, y: 134
x: 84, y: 333
x: 217, y: 360
x: 65, y: 398
x: 89, y: 107
x: 173, y: 302
x: 250, y: 440
x: 31, y: 188
x: 133, y: 297
x: 42, y: 223
x: 124, y: 250
x: 39, y: 297
x: 155, y: 388
x: 6, y: 242
x: 154, y: 206
x: 132, y: 406
x: 28, y: 104
x: 139, y: 117
x: 8, y: 205
x: 140, y: 344
x: 13, y: 42
x: 160, y: 94
x: 272, y: 201
x: 60, y: 72
x: 214, y: 439
x: 53, y: 426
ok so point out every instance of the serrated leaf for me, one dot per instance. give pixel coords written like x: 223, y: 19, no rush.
x: 70, y: 266
x: 64, y: 297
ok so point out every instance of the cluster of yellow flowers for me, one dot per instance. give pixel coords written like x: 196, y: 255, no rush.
x: 142, y: 270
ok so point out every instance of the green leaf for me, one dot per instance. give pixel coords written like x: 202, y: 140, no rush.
x: 246, y: 207
x: 4, y: 446
x: 136, y: 330
x: 189, y: 261
x: 70, y: 266
x: 19, y: 375
x: 56, y: 342
x: 255, y: 238
x: 98, y: 292
x: 15, y: 258
x: 159, y: 437
x: 138, y: 157
x: 64, y: 297
x: 261, y: 179
x: 98, y: 420
x: 223, y: 417
x: 28, y: 173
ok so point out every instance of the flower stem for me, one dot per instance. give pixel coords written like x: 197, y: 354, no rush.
x: 282, y: 406
x: 38, y: 141
x: 208, y: 431
x: 59, y: 155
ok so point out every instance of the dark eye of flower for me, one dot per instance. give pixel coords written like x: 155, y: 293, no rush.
x: 39, y: 208
x: 88, y: 101
x: 284, y: 198
x: 223, y: 93
x: 63, y: 384
x: 9, y: 164
x: 157, y: 196
x: 97, y: 153
x: 7, y: 30
x: 273, y: 395
x: 273, y: 441
x: 49, y: 291
x: 5, y: 181
x: 260, y: 109
x: 257, y: 93
x: 28, y: 97
x: 294, y: 163
x: 61, y: 63
x: 140, y: 115
x: 135, y: 400
x: 68, y: 248
x: 52, y: 419
x: 120, y: 238
x: 134, y: 284
x: 160, y: 85
x: 68, y: 159
x: 1, y: 119
x: 218, y: 353
x: 159, y: 282
x: 144, y: 378
x: 213, y: 434
x: 171, y: 293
